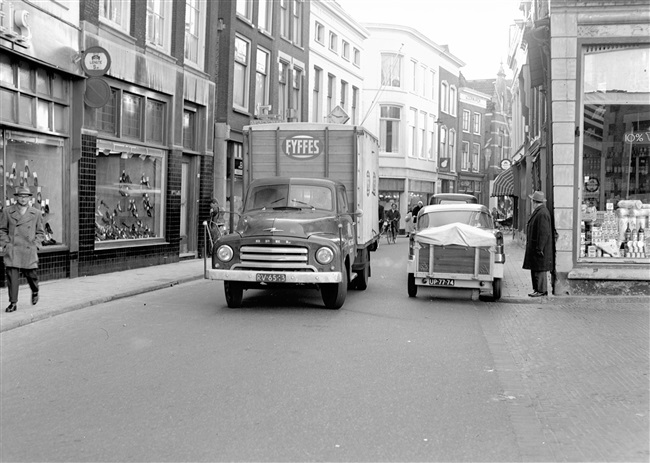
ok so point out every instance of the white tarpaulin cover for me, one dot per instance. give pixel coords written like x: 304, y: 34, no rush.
x: 457, y: 233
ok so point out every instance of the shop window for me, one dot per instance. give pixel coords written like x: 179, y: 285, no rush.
x: 130, y: 192
x: 155, y: 122
x: 615, y: 207
x: 35, y: 161
x: 131, y: 115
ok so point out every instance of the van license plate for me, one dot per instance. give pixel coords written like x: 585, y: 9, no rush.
x: 442, y: 282
x: 271, y: 277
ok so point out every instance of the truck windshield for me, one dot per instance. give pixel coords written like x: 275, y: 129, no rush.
x: 292, y: 196
x: 440, y: 218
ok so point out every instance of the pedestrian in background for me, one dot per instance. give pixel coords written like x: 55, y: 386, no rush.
x: 537, y: 257
x: 409, y: 223
x: 415, y: 211
x: 21, y: 236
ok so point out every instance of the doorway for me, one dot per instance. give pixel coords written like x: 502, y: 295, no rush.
x: 189, y: 207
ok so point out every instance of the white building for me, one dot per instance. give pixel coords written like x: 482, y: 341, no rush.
x: 401, y: 96
x: 336, y: 49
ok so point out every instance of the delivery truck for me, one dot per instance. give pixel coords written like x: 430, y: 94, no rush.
x: 310, y: 212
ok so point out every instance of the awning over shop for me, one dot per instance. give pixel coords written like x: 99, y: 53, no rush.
x: 504, y: 183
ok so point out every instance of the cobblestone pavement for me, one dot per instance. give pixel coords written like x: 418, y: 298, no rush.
x: 575, y: 377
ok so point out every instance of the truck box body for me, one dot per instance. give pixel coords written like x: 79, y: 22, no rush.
x: 348, y: 154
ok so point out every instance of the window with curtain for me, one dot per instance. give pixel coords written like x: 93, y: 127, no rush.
x: 389, y: 124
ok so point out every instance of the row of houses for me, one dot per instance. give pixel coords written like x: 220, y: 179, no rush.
x: 125, y: 118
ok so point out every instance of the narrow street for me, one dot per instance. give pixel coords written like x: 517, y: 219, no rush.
x: 174, y: 375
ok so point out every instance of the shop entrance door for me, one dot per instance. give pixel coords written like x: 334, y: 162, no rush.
x: 189, y: 207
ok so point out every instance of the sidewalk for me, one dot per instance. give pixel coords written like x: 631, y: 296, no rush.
x: 60, y: 296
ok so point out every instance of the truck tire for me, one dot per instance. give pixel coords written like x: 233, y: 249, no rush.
x: 334, y: 294
x: 361, y: 280
x: 234, y: 293
x: 411, y: 286
x: 496, y: 289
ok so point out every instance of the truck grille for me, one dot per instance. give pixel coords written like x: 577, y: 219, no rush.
x: 282, y: 258
x: 452, y: 259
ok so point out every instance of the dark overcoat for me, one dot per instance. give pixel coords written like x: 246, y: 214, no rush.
x: 21, y: 236
x: 539, y: 247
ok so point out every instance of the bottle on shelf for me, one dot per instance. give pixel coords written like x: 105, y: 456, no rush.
x: 641, y: 234
x: 628, y: 233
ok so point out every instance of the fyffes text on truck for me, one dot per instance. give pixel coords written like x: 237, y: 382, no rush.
x: 310, y: 212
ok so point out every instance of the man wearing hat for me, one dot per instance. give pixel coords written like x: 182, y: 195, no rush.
x: 21, y: 235
x: 538, y: 256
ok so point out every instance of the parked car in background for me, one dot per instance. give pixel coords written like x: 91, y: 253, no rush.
x: 456, y: 247
x: 448, y: 198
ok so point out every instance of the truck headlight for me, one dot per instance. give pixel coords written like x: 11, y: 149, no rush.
x: 324, y: 255
x: 224, y: 253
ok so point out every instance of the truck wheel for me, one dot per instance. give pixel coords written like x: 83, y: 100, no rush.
x: 411, y: 286
x: 334, y: 294
x: 234, y: 293
x: 496, y: 289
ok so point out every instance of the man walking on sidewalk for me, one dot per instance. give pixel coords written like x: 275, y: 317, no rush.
x: 21, y: 235
x: 539, y: 251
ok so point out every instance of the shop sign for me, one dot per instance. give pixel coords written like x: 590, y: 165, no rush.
x: 505, y: 164
x: 632, y: 138
x: 445, y: 165
x: 302, y: 147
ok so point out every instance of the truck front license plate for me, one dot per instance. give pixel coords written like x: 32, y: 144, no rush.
x: 442, y: 282
x: 271, y: 277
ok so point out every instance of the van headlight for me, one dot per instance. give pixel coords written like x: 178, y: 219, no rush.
x: 324, y: 255
x: 224, y: 253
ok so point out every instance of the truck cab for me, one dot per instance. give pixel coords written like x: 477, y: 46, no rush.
x: 292, y: 231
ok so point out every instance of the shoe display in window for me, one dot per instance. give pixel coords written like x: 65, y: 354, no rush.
x: 35, y: 175
x: 47, y: 206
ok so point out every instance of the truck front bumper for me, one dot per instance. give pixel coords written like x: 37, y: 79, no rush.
x: 251, y: 276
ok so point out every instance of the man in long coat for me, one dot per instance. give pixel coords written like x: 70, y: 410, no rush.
x: 21, y: 235
x: 539, y: 249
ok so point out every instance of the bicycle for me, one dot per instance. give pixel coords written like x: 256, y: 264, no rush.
x: 388, y: 229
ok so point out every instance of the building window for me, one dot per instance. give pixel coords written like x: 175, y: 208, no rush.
x: 452, y: 149
x: 116, y: 12
x: 155, y: 122
x: 414, y: 76
x: 189, y: 129
x: 316, y: 103
x: 245, y: 9
x: 477, y: 123
x: 284, y: 19
x: 330, y: 92
x: 261, y: 82
x: 319, y: 33
x: 283, y: 91
x: 356, y: 57
x: 344, y: 94
x: 442, y: 150
x: 297, y: 23
x: 422, y: 135
x: 413, y: 141
x: 241, y: 74
x: 432, y: 137
x: 333, y: 43
x: 389, y: 123
x: 432, y: 85
x: 453, y: 101
x: 476, y: 157
x: 615, y: 162
x: 391, y: 69
x: 355, y: 105
x: 194, y: 31
x: 346, y: 50
x: 33, y: 97
x: 159, y: 24
x: 466, y: 118
x: 296, y: 97
x: 464, y: 162
x: 131, y: 115
x: 444, y: 97
x: 265, y: 15
x: 422, y: 77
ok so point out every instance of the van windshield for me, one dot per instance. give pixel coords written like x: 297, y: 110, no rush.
x: 290, y: 196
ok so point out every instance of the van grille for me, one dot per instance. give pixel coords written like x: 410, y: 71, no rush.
x: 452, y: 259
x: 282, y: 258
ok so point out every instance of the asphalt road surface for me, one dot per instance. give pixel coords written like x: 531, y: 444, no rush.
x: 175, y: 375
